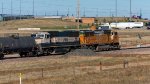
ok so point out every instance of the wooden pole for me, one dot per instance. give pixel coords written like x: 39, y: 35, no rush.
x: 20, y: 77
x: 78, y: 14
x: 100, y: 66
x: 42, y: 73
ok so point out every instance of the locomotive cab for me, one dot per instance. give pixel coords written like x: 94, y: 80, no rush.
x: 115, y: 40
x: 41, y: 37
x: 86, y: 37
x: 114, y: 37
x: 42, y: 40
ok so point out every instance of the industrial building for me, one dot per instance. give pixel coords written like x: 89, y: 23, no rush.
x: 49, y: 17
x: 88, y: 20
x: 85, y: 20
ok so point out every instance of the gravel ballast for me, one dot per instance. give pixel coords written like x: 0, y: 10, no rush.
x: 81, y: 52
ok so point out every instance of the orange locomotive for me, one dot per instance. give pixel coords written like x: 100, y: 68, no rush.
x: 99, y: 39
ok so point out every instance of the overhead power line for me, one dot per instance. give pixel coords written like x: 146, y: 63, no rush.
x: 78, y: 13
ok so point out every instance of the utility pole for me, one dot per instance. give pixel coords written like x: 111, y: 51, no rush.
x: 45, y: 13
x: 57, y: 13
x: 116, y: 8
x: 110, y: 13
x: 116, y: 12
x: 140, y: 13
x: 2, y: 8
x: 130, y: 10
x: 78, y: 14
x: 11, y: 9
x: 68, y: 12
x: 33, y: 8
x: 97, y: 12
x: 2, y: 12
x: 84, y: 13
x: 20, y: 9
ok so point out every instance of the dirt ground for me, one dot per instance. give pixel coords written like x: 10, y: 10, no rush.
x: 126, y: 66
x: 59, y: 69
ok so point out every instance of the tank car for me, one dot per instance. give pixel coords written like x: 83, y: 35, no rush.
x: 16, y: 44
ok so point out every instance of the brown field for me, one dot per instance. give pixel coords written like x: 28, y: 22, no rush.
x: 130, y: 37
x: 105, y: 68
x: 34, y: 23
x: 77, y: 70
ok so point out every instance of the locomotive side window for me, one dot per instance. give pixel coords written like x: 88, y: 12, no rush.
x: 33, y: 35
x: 82, y: 33
x: 89, y: 33
x: 47, y: 36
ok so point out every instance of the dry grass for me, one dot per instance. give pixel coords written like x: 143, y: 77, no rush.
x: 34, y: 23
x: 43, y: 62
x: 130, y: 37
x: 133, y: 75
x: 44, y: 24
x: 136, y: 75
x: 74, y: 70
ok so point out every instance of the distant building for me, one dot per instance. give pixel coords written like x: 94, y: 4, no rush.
x: 85, y: 20
x: 88, y: 20
x: 7, y: 17
x: 137, y: 17
x: 49, y: 17
x: 69, y: 18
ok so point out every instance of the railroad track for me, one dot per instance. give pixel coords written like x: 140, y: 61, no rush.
x: 133, y: 50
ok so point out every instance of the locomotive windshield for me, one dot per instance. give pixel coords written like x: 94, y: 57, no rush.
x: 41, y: 35
x: 33, y: 35
x: 87, y: 33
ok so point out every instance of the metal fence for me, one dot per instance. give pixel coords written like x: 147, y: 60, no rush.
x: 124, y: 73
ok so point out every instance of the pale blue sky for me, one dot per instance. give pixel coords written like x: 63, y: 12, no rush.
x: 50, y: 7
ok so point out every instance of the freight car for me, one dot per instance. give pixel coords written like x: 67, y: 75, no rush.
x: 13, y: 43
